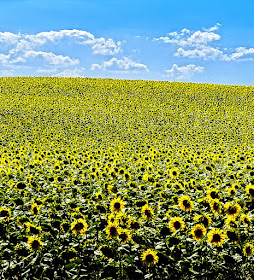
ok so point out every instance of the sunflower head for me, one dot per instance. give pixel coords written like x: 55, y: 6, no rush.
x: 248, y: 250
x: 250, y: 191
x: 215, y: 206
x: 173, y: 173
x: 232, y: 209
x: 198, y: 232
x: 176, y: 224
x: 147, y: 212
x: 5, y: 213
x: 216, y: 237
x: 124, y: 236
x: 185, y: 203
x: 79, y: 226
x: 149, y: 257
x: 117, y: 205
x: 113, y: 230
x: 34, y: 243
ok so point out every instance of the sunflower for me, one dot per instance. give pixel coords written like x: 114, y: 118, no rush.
x: 232, y: 191
x: 173, y: 173
x: 147, y: 212
x: 185, y: 203
x: 232, y: 209
x: 35, y: 209
x: 34, y: 243
x: 111, y: 218
x: 106, y: 252
x: 5, y: 214
x: 113, y: 230
x: 79, y: 226
x: 203, y: 219
x: 65, y: 226
x: 215, y: 206
x: 116, y: 205
x: 198, y: 232
x: 176, y: 224
x: 216, y: 237
x: 124, y: 236
x: 245, y: 220
x: 250, y: 191
x: 149, y: 257
x: 248, y: 250
x: 213, y: 194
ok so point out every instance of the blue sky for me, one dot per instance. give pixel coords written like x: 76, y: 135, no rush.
x: 196, y: 41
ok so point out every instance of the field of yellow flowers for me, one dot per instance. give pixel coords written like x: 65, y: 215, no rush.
x: 118, y: 179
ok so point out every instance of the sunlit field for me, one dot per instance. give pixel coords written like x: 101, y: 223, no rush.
x: 118, y: 179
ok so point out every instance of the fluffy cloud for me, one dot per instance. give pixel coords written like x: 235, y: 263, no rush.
x: 77, y: 72
x: 186, y: 38
x: 204, y: 52
x: 241, y: 53
x: 23, y: 42
x: 50, y: 57
x: 125, y: 64
x: 197, y: 45
x: 183, y: 72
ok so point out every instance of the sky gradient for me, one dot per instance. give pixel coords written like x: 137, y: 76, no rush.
x: 190, y: 41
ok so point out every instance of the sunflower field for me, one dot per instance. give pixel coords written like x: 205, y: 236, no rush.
x: 117, y: 179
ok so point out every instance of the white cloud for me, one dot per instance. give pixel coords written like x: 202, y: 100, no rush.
x: 187, y: 38
x: 204, y: 52
x: 214, y: 28
x: 25, y: 42
x: 77, y: 72
x: 241, y: 53
x: 183, y: 72
x: 115, y: 64
x: 50, y: 57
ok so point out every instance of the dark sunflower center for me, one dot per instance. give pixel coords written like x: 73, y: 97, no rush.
x: 205, y: 221
x: 35, y: 210
x: 123, y: 236
x: 35, y: 244
x: 117, y: 205
x: 232, y: 210
x: 147, y: 213
x: 248, y: 250
x: 4, y: 213
x: 216, y: 206
x: 149, y: 258
x: 216, y: 237
x: 186, y: 203
x: 177, y: 225
x: 199, y: 233
x: 79, y: 226
x: 174, y: 173
x: 214, y: 195
x: 251, y: 191
x: 113, y: 231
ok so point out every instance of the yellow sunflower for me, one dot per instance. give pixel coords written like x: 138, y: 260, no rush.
x: 250, y: 190
x: 147, y: 212
x: 232, y: 209
x: 198, y: 232
x: 173, y: 173
x: 215, y: 206
x: 113, y: 230
x: 176, y: 224
x: 245, y: 219
x: 185, y: 203
x: 149, y: 257
x: 203, y: 219
x: 116, y: 205
x: 248, y: 250
x: 35, y: 209
x: 79, y: 226
x: 124, y: 236
x: 34, y: 243
x: 5, y: 213
x: 216, y: 237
